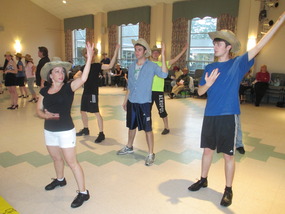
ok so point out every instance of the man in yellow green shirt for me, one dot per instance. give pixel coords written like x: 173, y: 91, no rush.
x: 158, y: 85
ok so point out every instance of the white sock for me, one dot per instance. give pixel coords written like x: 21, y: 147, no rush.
x: 61, y: 179
x: 85, y: 192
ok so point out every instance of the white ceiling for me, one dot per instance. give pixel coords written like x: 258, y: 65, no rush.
x: 75, y: 8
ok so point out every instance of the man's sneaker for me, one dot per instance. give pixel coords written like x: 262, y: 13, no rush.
x: 79, y: 199
x: 149, y: 159
x: 241, y: 150
x: 100, y: 138
x: 196, y: 186
x: 84, y: 131
x: 227, y: 198
x: 165, y: 131
x: 55, y: 183
x: 125, y: 150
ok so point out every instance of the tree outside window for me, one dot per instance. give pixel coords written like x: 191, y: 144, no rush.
x: 79, y: 42
x: 127, y: 53
x: 201, y: 51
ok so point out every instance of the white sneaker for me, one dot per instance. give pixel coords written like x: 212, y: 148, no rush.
x: 149, y: 159
x: 125, y: 150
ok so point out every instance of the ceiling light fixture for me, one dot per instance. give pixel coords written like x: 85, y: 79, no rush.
x: 64, y: 2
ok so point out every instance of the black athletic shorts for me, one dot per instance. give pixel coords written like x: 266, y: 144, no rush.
x: 158, y: 98
x: 89, y: 103
x: 139, y: 115
x: 219, y: 132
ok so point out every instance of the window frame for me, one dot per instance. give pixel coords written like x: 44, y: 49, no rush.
x: 201, y: 63
x: 125, y: 62
x: 78, y: 60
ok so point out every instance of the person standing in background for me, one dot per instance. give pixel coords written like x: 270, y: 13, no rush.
x: 11, y: 80
x: 106, y: 72
x: 261, y: 84
x: 30, y: 74
x: 43, y: 54
x: 21, y: 76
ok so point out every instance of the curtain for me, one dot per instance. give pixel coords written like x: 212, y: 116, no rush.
x: 144, y: 31
x: 226, y: 21
x: 112, y: 39
x: 89, y: 35
x: 179, y: 39
x: 68, y: 45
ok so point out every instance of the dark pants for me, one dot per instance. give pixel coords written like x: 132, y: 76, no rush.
x: 260, y: 90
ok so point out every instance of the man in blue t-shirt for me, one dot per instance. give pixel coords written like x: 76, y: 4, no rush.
x: 221, y: 82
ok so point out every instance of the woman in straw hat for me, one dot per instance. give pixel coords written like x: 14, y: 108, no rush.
x: 10, y: 80
x: 30, y: 74
x: 21, y: 76
x: 54, y: 105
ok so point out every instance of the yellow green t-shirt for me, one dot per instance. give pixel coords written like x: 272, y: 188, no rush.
x: 158, y: 83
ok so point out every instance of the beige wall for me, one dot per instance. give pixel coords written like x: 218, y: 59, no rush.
x: 273, y: 53
x: 161, y: 26
x: 33, y: 26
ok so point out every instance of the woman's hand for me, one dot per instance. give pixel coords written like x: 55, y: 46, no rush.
x: 51, y: 116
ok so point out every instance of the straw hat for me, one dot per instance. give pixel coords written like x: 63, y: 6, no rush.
x: 228, y: 36
x: 19, y: 55
x: 28, y: 58
x: 155, y: 48
x: 142, y: 42
x: 55, y: 62
x: 8, y: 53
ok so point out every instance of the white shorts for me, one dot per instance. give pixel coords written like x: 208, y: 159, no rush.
x: 63, y: 139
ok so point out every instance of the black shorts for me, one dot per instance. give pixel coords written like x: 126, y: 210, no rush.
x: 10, y: 79
x: 139, y: 115
x: 219, y: 132
x: 21, y: 81
x: 158, y: 98
x: 89, y: 103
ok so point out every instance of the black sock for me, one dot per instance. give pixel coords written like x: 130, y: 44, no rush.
x: 101, y: 132
x: 203, y: 179
x: 228, y: 189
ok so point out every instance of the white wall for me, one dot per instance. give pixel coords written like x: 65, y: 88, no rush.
x: 33, y: 26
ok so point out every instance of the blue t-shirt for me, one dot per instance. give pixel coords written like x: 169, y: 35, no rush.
x: 223, y: 96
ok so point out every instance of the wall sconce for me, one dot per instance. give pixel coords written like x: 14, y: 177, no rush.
x: 18, y: 46
x: 98, y: 46
x: 251, y: 42
x: 158, y: 44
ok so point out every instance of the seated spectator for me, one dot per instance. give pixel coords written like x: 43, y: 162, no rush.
x: 246, y: 84
x: 182, y: 81
x: 261, y: 84
x: 174, y: 77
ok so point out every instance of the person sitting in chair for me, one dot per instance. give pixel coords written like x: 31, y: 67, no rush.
x: 181, y: 82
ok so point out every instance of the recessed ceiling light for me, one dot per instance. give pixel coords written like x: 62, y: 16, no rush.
x: 64, y: 2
